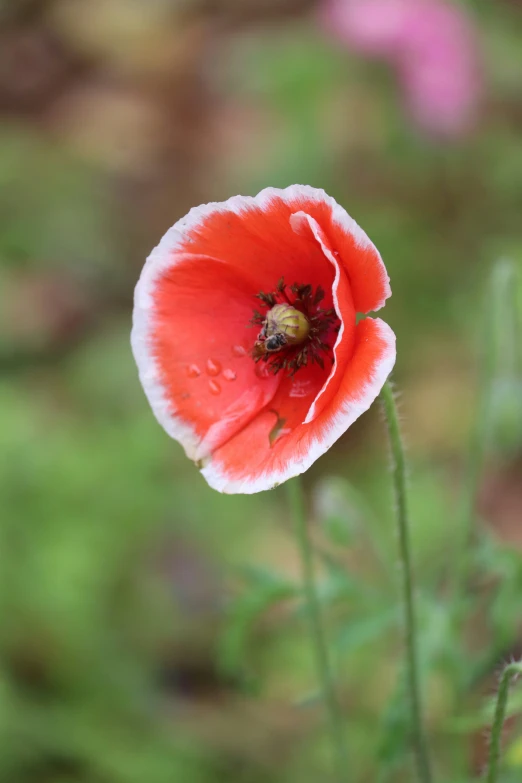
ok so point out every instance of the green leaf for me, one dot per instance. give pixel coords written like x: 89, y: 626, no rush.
x: 366, y: 630
x: 243, y: 614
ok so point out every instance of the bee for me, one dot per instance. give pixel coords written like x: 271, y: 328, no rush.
x: 284, y: 326
x: 271, y: 344
x: 275, y: 342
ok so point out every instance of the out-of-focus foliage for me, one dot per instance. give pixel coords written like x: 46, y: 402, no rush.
x: 151, y: 629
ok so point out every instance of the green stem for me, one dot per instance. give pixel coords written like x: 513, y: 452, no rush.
x: 510, y: 671
x: 479, y: 436
x: 399, y: 481
x: 517, y: 322
x: 498, y: 328
x: 324, y: 671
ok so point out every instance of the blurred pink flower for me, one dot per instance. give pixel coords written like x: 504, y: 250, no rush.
x: 432, y: 46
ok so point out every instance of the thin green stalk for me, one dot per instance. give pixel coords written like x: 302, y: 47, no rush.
x: 510, y: 671
x: 324, y: 671
x: 403, y: 524
x: 479, y: 435
x: 496, y: 317
x: 517, y: 320
x: 509, y: 336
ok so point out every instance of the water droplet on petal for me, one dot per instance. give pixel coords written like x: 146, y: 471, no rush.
x: 193, y: 371
x: 238, y: 350
x: 214, y: 387
x: 229, y: 375
x: 213, y: 367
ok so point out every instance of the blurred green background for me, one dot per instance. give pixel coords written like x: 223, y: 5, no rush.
x: 151, y: 629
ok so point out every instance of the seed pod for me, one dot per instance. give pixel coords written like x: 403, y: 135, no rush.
x: 286, y: 320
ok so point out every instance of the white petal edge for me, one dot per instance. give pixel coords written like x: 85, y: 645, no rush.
x: 163, y: 257
x: 217, y: 477
x: 297, y: 220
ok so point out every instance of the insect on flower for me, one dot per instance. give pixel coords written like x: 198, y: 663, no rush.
x: 246, y: 337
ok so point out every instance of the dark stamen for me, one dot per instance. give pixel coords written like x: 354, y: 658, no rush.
x: 295, y: 330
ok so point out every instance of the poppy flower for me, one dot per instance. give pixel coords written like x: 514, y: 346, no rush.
x: 432, y: 46
x: 246, y: 334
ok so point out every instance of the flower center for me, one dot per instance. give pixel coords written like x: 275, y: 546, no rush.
x: 295, y: 329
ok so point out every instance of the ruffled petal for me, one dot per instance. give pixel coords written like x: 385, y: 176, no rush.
x: 357, y: 254
x: 254, y: 237
x: 277, y: 450
x: 253, y: 234
x: 192, y: 348
x: 193, y: 302
x: 303, y: 224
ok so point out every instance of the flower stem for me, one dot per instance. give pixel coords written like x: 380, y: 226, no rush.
x: 324, y: 671
x: 499, y: 340
x: 480, y: 433
x: 399, y: 481
x: 510, y: 671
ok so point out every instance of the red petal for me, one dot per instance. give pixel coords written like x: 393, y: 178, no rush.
x: 293, y: 452
x: 195, y: 297
x: 358, y: 256
x: 342, y: 295
x: 254, y: 237
x: 192, y: 346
